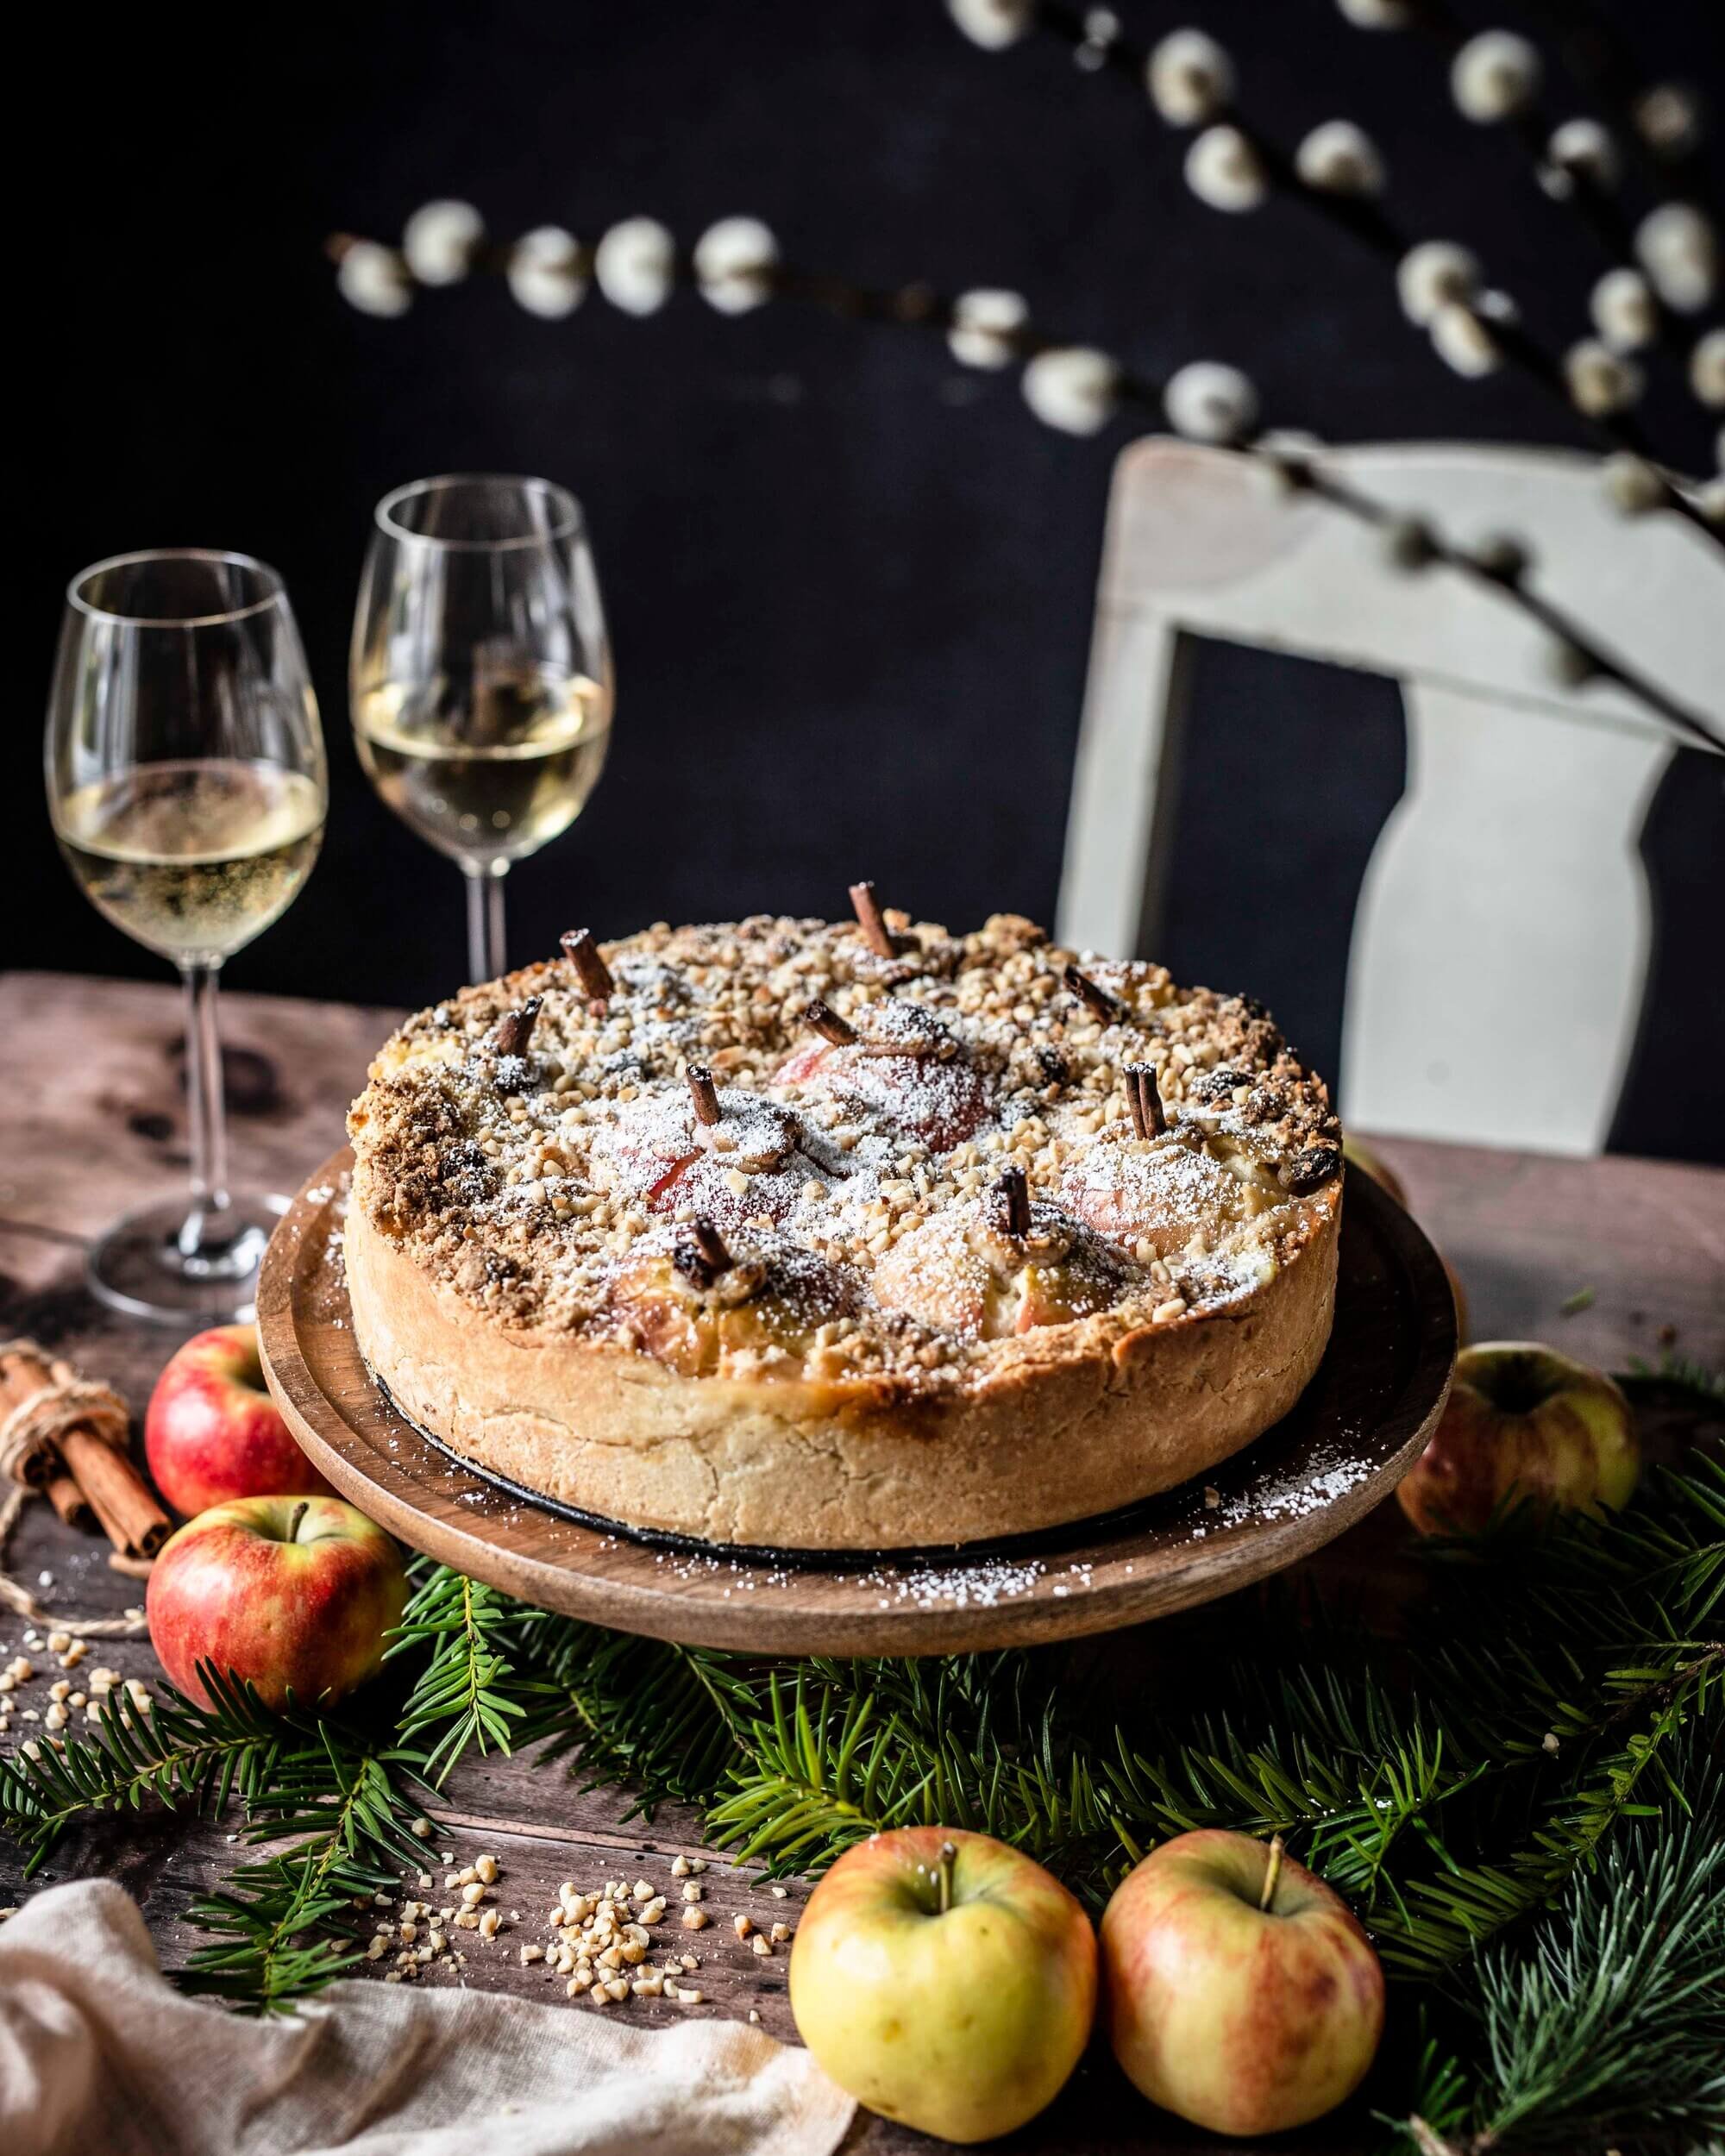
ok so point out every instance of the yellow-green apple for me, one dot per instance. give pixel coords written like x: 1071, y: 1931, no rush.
x: 213, y: 1432
x: 945, y: 1980
x: 1240, y: 1991
x: 293, y: 1593
x: 1523, y: 1423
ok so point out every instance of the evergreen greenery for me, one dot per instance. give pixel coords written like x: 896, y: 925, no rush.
x: 1522, y: 1792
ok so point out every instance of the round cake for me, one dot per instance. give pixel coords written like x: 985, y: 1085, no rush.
x: 842, y: 1235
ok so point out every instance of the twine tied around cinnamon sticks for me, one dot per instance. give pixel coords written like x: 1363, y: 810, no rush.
x: 65, y: 1435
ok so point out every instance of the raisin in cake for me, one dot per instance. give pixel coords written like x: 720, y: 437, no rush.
x: 842, y: 1235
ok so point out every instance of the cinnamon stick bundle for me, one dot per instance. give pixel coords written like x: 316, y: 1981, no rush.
x: 58, y: 1428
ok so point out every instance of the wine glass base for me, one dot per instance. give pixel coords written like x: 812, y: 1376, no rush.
x: 178, y: 1262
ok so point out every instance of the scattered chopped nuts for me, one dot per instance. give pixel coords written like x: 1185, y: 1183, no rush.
x: 485, y: 1869
x: 742, y: 1925
x: 693, y: 1919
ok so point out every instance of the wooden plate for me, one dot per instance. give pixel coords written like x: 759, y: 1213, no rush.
x: 1354, y: 1433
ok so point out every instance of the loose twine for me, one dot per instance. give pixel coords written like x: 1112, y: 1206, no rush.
x: 32, y: 1424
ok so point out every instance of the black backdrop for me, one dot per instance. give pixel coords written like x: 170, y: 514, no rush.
x: 849, y: 586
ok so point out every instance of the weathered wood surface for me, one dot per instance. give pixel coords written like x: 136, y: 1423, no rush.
x: 91, y: 1120
x: 1360, y: 1425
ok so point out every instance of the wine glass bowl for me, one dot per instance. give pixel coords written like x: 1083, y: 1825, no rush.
x: 481, y: 675
x: 187, y: 789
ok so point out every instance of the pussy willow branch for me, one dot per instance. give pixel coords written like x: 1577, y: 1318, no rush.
x: 1532, y: 124
x: 920, y: 306
x: 1595, y: 53
x: 1366, y: 221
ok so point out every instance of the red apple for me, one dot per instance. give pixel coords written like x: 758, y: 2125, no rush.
x: 213, y: 1432
x: 945, y: 1980
x: 1523, y: 1422
x: 288, y: 1593
x: 1240, y: 1992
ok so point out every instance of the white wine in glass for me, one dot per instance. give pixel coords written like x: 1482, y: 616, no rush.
x: 192, y: 859
x: 481, y: 677
x: 187, y: 784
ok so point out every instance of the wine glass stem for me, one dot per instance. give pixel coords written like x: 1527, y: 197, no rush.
x: 485, y: 955
x: 206, y: 1112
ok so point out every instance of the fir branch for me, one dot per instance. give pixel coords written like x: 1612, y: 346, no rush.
x: 346, y: 1805
x: 462, y: 1690
x: 264, y: 1960
x: 663, y: 1718
x: 1447, y: 1915
x: 179, y: 1754
x: 1613, y: 2016
x: 1606, y: 2022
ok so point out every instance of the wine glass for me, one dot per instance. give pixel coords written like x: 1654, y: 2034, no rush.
x: 187, y: 784
x: 481, y: 676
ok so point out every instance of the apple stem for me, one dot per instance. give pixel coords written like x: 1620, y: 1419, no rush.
x: 948, y: 1853
x: 299, y: 1513
x: 1273, y: 1873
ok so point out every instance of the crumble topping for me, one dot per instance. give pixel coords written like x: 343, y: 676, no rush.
x: 698, y: 1165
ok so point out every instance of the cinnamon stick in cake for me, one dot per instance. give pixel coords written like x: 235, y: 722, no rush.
x: 873, y: 922
x: 514, y: 1030
x: 1107, y: 1009
x: 827, y: 1023
x: 591, y: 970
x: 1015, y: 1191
x: 703, y: 1257
x: 703, y: 1093
x: 1150, y: 1117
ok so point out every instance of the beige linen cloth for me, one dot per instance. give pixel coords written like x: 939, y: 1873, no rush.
x: 100, y: 2055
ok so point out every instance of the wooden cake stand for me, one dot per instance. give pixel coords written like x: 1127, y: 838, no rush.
x: 1354, y: 1434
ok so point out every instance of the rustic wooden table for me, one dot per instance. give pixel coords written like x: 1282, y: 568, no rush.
x: 91, y: 1120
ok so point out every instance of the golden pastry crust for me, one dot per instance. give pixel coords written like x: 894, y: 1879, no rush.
x: 802, y: 1312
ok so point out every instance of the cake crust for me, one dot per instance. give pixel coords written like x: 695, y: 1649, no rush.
x: 796, y: 1305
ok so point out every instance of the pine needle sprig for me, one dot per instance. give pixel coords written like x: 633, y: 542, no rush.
x: 177, y: 1754
x: 1606, y: 2022
x: 463, y: 1690
x: 662, y: 1718
x: 279, y: 1924
x: 1612, y: 2015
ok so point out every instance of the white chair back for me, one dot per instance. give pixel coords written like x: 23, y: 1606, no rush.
x: 1500, y: 947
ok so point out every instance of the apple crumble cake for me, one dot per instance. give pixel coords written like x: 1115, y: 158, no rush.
x: 842, y: 1235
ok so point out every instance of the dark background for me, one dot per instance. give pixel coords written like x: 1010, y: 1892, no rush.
x: 850, y: 584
